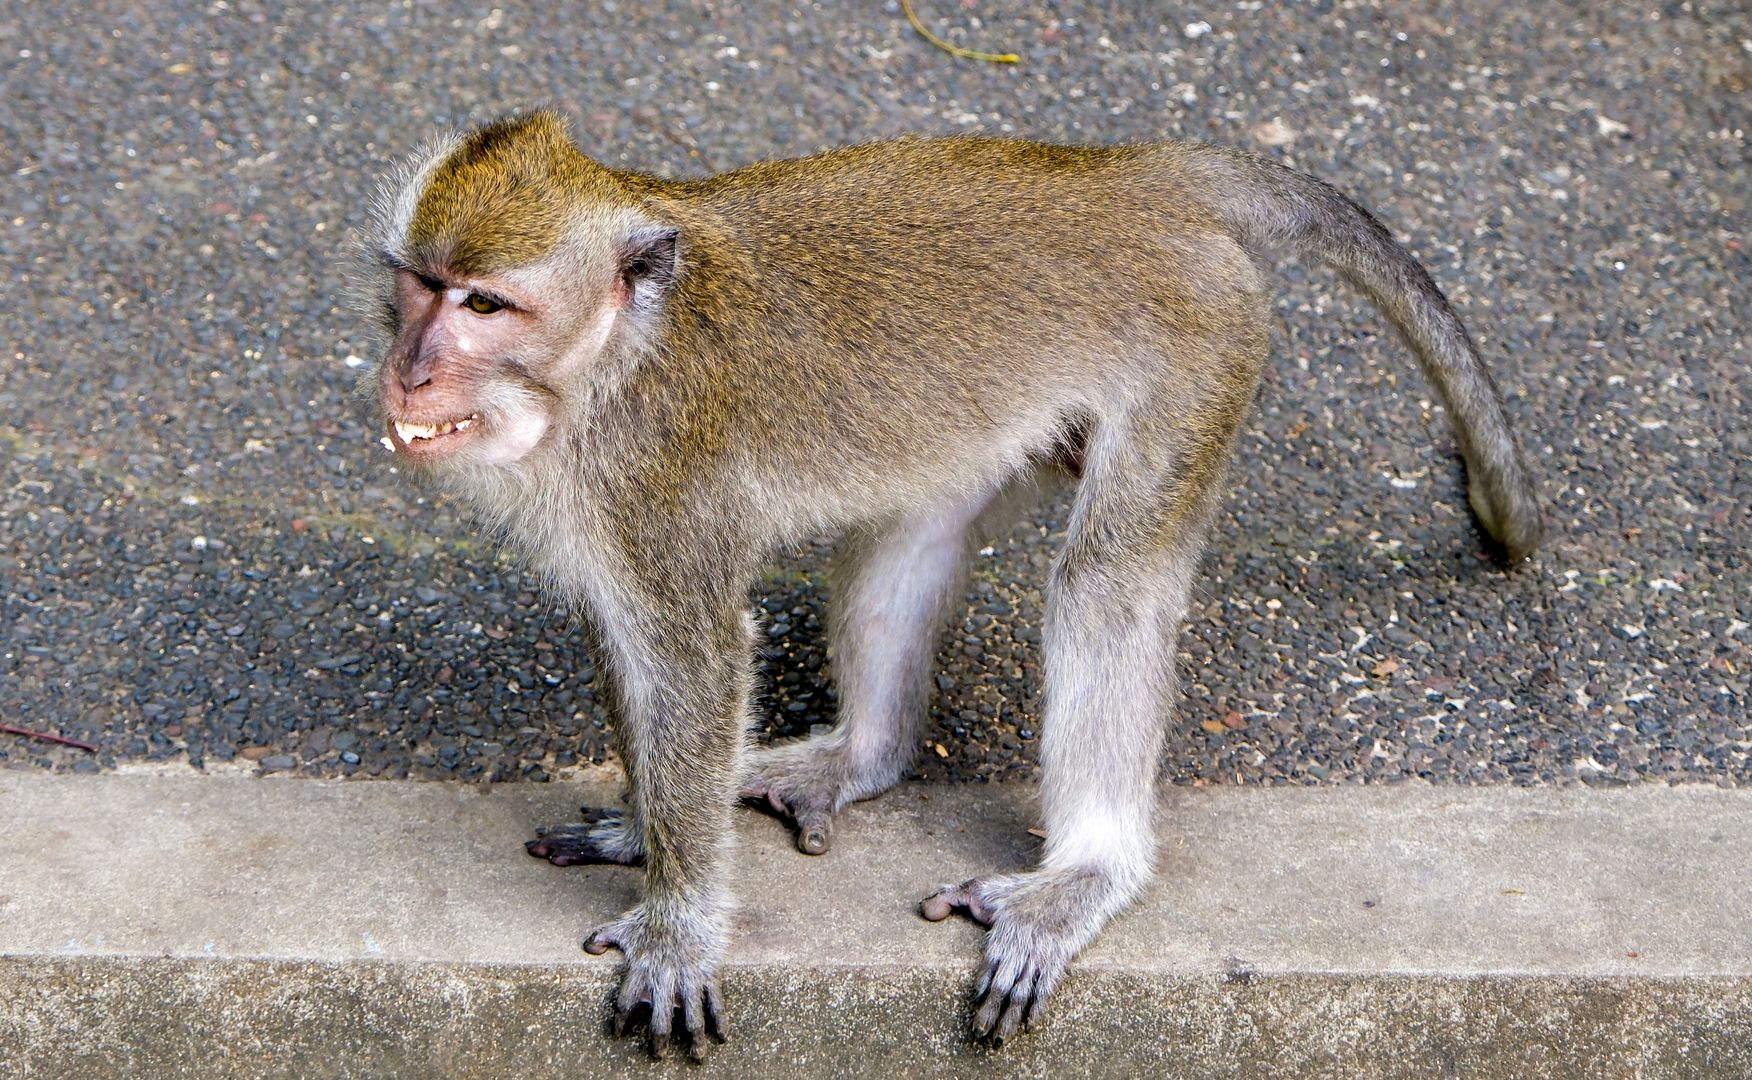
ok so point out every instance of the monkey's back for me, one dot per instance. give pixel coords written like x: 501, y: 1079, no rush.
x: 965, y: 214
x: 925, y: 291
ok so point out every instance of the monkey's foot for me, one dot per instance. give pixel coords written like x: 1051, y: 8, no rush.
x: 809, y: 781
x: 606, y: 836
x: 1038, y: 922
x: 664, y: 980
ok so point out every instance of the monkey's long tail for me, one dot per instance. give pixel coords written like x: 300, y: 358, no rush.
x: 1270, y: 206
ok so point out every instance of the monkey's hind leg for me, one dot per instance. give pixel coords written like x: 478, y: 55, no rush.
x: 605, y: 836
x: 1115, y: 600
x: 895, y: 585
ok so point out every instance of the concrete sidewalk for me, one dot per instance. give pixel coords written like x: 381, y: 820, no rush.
x: 165, y: 926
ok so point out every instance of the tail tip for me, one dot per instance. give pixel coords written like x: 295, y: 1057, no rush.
x: 1512, y: 520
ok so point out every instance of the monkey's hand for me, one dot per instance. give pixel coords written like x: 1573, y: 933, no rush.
x: 1038, y: 922
x: 606, y: 836
x: 669, y: 974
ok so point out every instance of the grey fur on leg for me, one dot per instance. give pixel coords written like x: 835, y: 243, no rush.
x: 1114, y: 605
x: 684, y: 704
x: 894, y: 586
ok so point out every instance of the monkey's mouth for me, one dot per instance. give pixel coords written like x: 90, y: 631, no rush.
x: 431, y: 438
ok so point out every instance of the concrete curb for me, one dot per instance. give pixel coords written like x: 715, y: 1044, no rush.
x: 168, y: 926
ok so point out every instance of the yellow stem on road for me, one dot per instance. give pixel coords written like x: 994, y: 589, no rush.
x: 954, y: 50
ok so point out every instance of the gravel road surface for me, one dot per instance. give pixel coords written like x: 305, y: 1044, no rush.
x: 205, y: 558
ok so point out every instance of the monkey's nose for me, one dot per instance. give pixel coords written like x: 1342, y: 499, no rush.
x: 413, y: 379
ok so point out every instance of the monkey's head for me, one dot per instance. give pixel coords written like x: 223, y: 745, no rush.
x: 511, y: 274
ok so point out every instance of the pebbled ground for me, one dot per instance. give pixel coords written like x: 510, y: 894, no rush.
x: 205, y: 558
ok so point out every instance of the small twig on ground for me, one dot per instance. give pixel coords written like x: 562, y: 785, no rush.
x: 954, y: 50
x: 47, y: 737
x: 691, y: 148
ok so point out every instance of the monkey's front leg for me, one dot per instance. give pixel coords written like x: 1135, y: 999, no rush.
x: 684, y: 714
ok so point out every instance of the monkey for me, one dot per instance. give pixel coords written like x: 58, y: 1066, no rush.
x: 647, y: 386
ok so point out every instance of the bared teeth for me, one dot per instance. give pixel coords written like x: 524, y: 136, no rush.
x: 410, y: 432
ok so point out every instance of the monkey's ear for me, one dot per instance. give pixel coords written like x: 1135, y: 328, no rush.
x: 647, y: 266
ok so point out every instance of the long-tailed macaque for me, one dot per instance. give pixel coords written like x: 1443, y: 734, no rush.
x: 646, y: 385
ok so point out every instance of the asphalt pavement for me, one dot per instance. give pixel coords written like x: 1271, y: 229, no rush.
x: 206, y: 559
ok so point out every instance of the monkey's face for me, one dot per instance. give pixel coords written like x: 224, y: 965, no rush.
x: 483, y: 368
x: 514, y: 275
x: 469, y: 371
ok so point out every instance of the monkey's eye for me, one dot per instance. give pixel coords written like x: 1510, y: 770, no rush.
x: 480, y: 305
